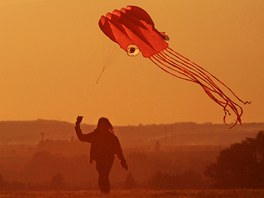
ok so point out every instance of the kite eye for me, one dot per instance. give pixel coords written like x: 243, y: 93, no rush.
x: 132, y: 50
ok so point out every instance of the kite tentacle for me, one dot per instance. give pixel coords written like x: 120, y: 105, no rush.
x: 165, y: 65
x: 196, y: 71
x: 160, y: 63
x: 181, y: 67
x: 191, y: 63
x: 196, y: 77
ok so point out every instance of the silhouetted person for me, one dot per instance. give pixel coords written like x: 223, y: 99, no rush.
x: 104, y: 145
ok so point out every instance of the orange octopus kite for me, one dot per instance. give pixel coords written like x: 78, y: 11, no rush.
x: 133, y: 29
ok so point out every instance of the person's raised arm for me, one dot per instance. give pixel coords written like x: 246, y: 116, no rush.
x: 80, y: 135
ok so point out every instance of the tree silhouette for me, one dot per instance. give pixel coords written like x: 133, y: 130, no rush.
x: 241, y: 165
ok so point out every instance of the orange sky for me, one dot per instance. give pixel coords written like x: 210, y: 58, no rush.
x: 52, y: 52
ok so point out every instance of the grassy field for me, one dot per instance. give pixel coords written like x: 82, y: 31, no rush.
x: 139, y: 194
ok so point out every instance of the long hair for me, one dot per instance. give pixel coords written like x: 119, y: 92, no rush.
x: 104, y: 124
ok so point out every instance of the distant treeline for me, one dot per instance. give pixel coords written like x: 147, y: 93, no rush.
x: 31, y: 132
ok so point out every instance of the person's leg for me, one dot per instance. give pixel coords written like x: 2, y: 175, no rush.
x: 104, y: 169
x: 105, y: 181
x: 100, y: 176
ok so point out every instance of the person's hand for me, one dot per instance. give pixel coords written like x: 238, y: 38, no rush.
x: 124, y: 165
x: 79, y: 120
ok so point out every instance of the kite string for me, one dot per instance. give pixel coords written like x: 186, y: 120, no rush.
x: 106, y: 62
x: 100, y: 75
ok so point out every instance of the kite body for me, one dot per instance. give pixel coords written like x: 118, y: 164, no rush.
x: 133, y: 29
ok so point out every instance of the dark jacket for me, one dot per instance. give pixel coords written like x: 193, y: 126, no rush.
x: 104, y: 144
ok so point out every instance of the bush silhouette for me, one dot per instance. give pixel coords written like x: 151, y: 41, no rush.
x: 241, y: 165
